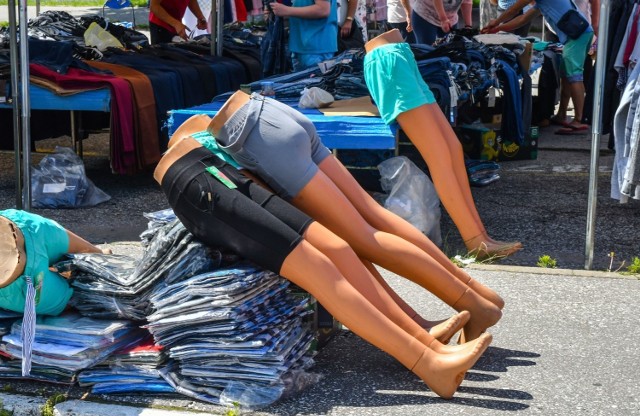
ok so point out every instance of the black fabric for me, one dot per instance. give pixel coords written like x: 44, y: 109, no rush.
x: 249, y: 220
x: 353, y: 41
x: 573, y: 24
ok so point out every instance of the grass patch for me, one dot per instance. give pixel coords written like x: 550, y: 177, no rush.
x: 547, y: 261
x: 48, y: 409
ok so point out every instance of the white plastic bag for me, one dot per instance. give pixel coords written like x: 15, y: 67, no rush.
x: 59, y: 181
x: 412, y: 195
x: 315, y: 97
x: 96, y: 36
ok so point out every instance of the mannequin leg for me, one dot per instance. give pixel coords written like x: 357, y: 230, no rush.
x: 314, y: 272
x: 442, y: 152
x: 385, y: 220
x: 359, y: 276
x: 442, y: 330
x: 393, y: 253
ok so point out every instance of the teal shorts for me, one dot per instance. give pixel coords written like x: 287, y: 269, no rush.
x: 45, y: 243
x: 574, y: 53
x: 394, y: 81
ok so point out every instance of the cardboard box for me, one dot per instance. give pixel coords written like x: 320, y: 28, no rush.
x: 509, y: 150
x: 478, y: 141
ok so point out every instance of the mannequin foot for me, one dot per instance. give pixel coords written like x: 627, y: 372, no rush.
x: 492, y: 248
x: 487, y: 293
x: 443, y: 373
x: 484, y: 314
x: 458, y: 348
x: 445, y: 329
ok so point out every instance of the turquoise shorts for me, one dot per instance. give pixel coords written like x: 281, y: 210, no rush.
x: 394, y: 81
x: 574, y: 53
x: 45, y: 243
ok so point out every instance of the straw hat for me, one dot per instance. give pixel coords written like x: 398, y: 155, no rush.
x: 12, y: 253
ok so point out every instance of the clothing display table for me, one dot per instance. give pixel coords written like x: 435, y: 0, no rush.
x: 89, y: 100
x: 336, y: 132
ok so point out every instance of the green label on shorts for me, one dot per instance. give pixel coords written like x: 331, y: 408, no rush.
x: 221, y: 177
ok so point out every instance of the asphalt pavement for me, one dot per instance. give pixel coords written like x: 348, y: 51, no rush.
x: 567, y: 343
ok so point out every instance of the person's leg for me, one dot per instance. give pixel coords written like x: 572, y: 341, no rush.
x: 565, y: 96
x: 576, y: 90
x: 574, y: 53
x: 392, y: 252
x: 375, y: 290
x: 385, y: 220
x: 442, y: 152
x: 311, y: 270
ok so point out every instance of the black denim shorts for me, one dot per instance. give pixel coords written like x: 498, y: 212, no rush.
x: 248, y: 220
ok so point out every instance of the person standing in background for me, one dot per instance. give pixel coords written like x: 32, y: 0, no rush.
x: 165, y: 19
x: 432, y: 19
x: 397, y: 19
x: 352, y: 13
x: 488, y: 11
x: 522, y: 31
x: 574, y: 51
x: 591, y: 10
x: 313, y: 30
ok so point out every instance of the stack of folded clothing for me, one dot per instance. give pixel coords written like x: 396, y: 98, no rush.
x: 132, y: 369
x: 70, y: 342
x: 118, y: 286
x: 231, y: 333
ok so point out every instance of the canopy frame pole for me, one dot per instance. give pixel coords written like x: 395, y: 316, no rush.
x: 600, y: 70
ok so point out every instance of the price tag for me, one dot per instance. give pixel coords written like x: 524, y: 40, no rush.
x: 221, y: 177
x: 491, y: 100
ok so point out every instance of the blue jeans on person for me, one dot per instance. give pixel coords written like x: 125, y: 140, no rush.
x: 424, y: 31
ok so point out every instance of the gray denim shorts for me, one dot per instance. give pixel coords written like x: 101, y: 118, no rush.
x: 274, y: 141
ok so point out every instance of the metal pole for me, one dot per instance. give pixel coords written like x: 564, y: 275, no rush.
x: 214, y: 26
x: 219, y: 25
x: 15, y: 96
x: 25, y: 107
x: 601, y: 60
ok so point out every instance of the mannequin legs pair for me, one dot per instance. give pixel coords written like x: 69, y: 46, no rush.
x: 443, y: 154
x: 326, y: 267
x: 383, y: 238
x: 430, y: 132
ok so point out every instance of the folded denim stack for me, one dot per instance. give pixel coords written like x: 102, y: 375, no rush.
x: 71, y: 342
x: 232, y: 335
x: 119, y: 286
x: 131, y: 369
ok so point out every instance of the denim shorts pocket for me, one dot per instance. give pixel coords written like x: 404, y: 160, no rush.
x: 198, y: 194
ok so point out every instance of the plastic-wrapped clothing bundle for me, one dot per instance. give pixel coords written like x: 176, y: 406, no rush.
x: 232, y: 334
x: 72, y: 342
x: 117, y: 286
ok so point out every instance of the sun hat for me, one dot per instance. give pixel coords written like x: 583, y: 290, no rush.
x: 12, y: 252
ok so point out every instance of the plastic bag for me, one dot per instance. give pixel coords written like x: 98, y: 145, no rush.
x: 96, y: 36
x: 412, y: 195
x: 59, y: 181
x: 315, y: 97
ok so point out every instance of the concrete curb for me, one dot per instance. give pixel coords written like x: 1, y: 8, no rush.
x: 23, y: 405
x: 549, y: 271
